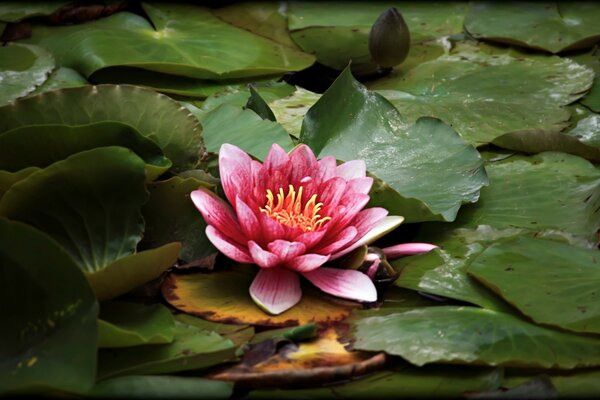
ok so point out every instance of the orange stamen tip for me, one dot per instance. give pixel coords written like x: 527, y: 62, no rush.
x: 288, y: 210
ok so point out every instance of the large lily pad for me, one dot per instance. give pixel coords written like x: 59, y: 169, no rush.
x: 473, y: 336
x: 124, y: 324
x: 290, y: 110
x: 170, y: 215
x: 48, y: 338
x: 160, y: 387
x: 90, y: 203
x: 153, y: 115
x: 549, y: 26
x: 402, y: 381
x: 549, y: 191
x: 22, y: 69
x: 264, y: 18
x: 41, y: 145
x: 336, y: 36
x: 7, y: 179
x: 179, y: 39
x: 243, y: 128
x: 592, y: 60
x: 552, y: 283
x: 483, y: 96
x: 443, y: 272
x: 132, y: 271
x: 192, y: 348
x: 223, y: 296
x: 427, y: 170
x: 61, y: 78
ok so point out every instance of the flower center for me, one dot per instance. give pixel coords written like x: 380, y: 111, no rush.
x: 288, y: 210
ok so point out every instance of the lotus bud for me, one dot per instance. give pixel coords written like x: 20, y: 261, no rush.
x: 389, y: 39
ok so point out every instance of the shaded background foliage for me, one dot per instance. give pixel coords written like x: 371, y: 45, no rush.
x: 485, y: 137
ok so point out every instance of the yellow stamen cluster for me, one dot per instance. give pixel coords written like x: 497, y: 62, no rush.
x: 288, y: 210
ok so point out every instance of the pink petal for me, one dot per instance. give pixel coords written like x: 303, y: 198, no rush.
x: 303, y: 161
x: 226, y: 246
x: 339, y: 241
x: 276, y: 290
x: 327, y: 168
x: 345, y: 283
x: 217, y: 213
x: 286, y: 250
x: 369, y: 219
x: 247, y: 220
x: 408, y: 249
x: 330, y: 193
x: 276, y: 159
x: 386, y: 225
x: 346, y: 214
x: 311, y: 238
x: 352, y: 169
x: 235, y: 171
x: 307, y: 262
x: 272, y: 230
x: 261, y: 257
x: 360, y: 185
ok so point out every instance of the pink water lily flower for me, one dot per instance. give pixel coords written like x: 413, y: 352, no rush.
x: 290, y: 215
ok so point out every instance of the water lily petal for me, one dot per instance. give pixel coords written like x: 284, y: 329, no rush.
x: 387, y: 225
x: 235, y: 171
x: 408, y: 249
x: 228, y: 247
x: 330, y: 193
x: 345, y: 283
x: 217, y: 213
x: 360, y: 185
x: 343, y: 215
x: 304, y: 163
x: 338, y: 241
x: 272, y: 230
x: 310, y: 239
x: 276, y: 159
x: 276, y: 290
x: 247, y: 220
x: 261, y: 257
x: 352, y: 169
x: 327, y: 168
x: 307, y: 262
x: 286, y: 250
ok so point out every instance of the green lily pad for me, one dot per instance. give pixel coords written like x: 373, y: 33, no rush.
x: 223, y: 296
x: 264, y: 18
x: 171, y: 215
x: 61, y: 78
x: 22, y: 69
x: 123, y: 324
x: 15, y: 11
x: 552, y: 283
x: 7, y: 179
x: 585, y: 126
x: 90, y: 203
x: 502, y: 93
x: 290, y: 110
x: 192, y: 348
x: 48, y: 315
x: 549, y: 26
x: 243, y: 128
x: 443, y: 272
x: 161, y: 387
x: 548, y: 191
x: 469, y: 335
x: 337, y: 36
x: 133, y: 271
x: 155, y: 116
x: 403, y: 381
x: 427, y: 171
x: 184, y: 39
x: 296, y: 334
x: 592, y: 60
x: 45, y: 144
x: 239, y: 94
